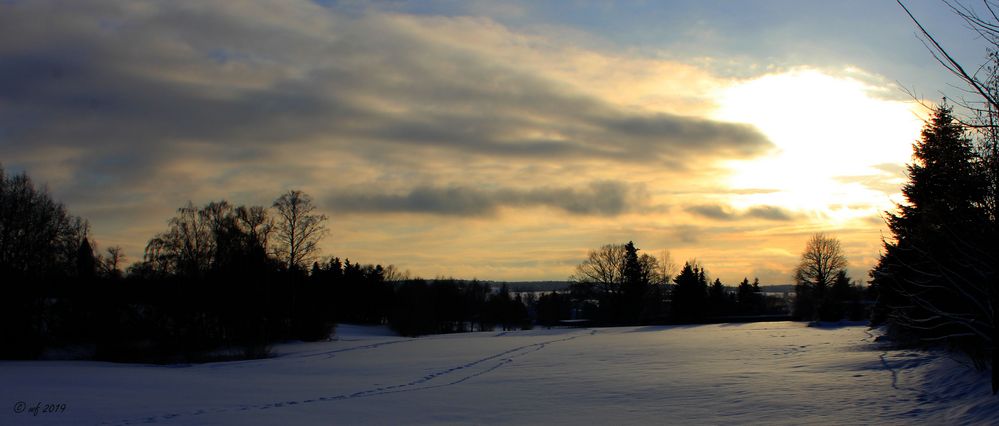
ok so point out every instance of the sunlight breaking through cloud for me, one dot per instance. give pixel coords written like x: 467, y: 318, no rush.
x: 413, y: 125
x: 833, y: 134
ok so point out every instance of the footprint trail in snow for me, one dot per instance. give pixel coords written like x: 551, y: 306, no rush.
x: 439, y: 379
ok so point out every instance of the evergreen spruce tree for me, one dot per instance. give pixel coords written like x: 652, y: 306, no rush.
x: 689, y: 294
x: 936, y: 278
x: 635, y: 286
x: 745, y: 296
x: 86, y: 263
x: 717, y: 297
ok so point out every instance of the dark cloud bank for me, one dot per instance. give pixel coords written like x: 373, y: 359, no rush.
x: 150, y: 83
x: 600, y: 198
x: 717, y: 212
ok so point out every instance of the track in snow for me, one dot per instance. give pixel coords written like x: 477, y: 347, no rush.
x: 456, y: 374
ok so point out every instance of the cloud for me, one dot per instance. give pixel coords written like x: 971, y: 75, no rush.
x: 129, y: 109
x: 160, y: 82
x: 769, y: 213
x: 605, y: 198
x: 881, y: 183
x: 712, y: 211
x: 725, y: 213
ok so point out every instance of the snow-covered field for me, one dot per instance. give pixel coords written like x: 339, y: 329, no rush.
x: 728, y: 373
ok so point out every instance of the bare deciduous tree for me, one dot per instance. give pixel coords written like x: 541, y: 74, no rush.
x: 820, y: 262
x: 667, y: 267
x: 299, y: 229
x: 255, y: 223
x: 206, y: 238
x: 188, y: 246
x: 392, y: 274
x: 112, y: 260
x: 37, y: 235
x: 602, y: 269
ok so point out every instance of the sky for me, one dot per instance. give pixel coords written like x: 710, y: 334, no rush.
x: 483, y: 139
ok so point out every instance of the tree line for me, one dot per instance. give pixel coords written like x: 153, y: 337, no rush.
x: 222, y: 281
x: 615, y: 285
x: 227, y: 281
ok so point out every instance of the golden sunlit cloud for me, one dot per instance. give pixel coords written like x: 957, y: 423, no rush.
x: 449, y: 145
x: 833, y: 136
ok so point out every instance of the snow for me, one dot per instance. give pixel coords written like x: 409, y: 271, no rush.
x: 777, y: 373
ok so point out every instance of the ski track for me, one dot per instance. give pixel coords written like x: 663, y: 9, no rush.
x: 326, y: 354
x: 502, y: 358
x: 331, y: 354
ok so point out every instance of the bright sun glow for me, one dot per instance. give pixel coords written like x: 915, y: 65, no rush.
x: 835, y: 143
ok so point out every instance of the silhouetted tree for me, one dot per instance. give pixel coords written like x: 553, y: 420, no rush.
x: 821, y: 261
x: 637, y: 282
x: 110, y: 263
x: 505, y: 310
x: 86, y: 263
x: 656, y: 299
x: 936, y: 279
x: 214, y: 285
x: 624, y: 286
x: 666, y: 267
x: 598, y: 279
x: 746, y: 296
x: 553, y: 307
x: 38, y: 238
x: 299, y: 229
x: 449, y: 306
x: 39, y: 247
x: 978, y: 253
x: 718, y: 297
x: 188, y: 246
x: 690, y: 293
